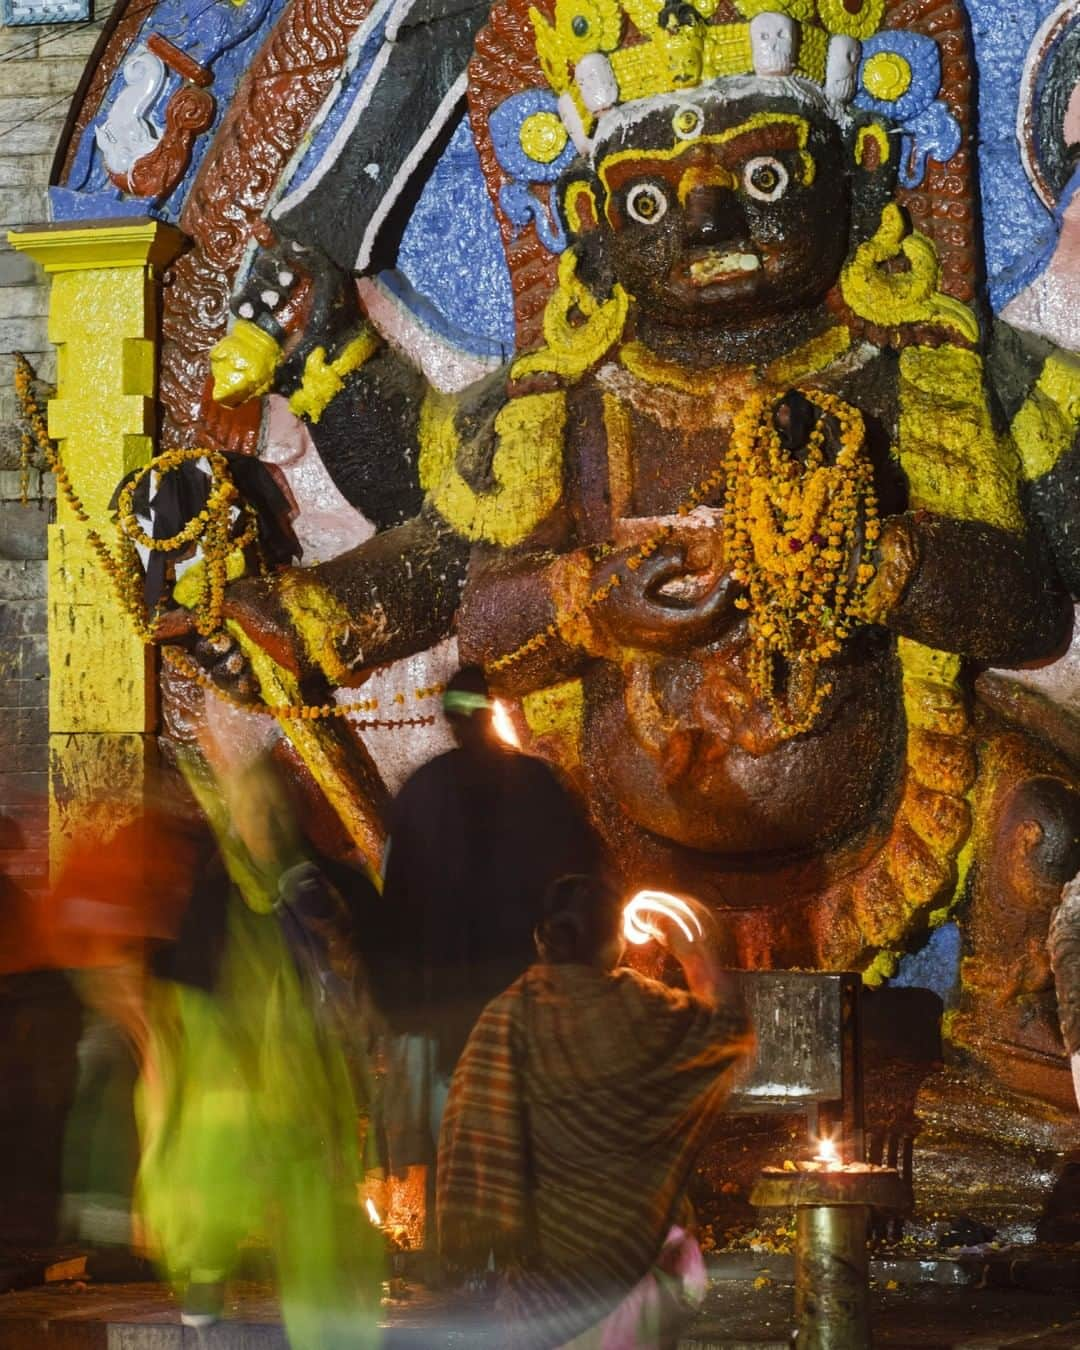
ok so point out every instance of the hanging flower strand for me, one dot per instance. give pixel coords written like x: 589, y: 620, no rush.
x: 212, y: 528
x: 117, y: 567
x: 796, y: 528
x: 225, y: 525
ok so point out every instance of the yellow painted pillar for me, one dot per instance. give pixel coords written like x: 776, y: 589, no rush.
x: 102, y: 680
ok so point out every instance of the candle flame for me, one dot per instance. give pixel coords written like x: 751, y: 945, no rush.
x: 638, y: 929
x: 503, y: 724
x: 827, y: 1153
x: 372, y: 1212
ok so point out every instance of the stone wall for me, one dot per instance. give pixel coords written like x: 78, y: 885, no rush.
x: 40, y: 68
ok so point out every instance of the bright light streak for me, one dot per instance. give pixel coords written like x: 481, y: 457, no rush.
x: 638, y: 929
x: 503, y: 724
x: 372, y: 1212
x: 827, y: 1153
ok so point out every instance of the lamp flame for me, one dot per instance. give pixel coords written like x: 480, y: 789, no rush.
x: 637, y: 927
x: 827, y: 1153
x: 503, y: 724
x: 372, y: 1212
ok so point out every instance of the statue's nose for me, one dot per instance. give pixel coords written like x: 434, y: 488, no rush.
x: 714, y: 215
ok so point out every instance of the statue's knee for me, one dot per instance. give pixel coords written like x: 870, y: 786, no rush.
x: 1040, y: 831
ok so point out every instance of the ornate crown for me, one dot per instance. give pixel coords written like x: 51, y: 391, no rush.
x: 597, y: 54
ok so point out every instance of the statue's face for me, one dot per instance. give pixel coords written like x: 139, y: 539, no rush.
x: 720, y: 211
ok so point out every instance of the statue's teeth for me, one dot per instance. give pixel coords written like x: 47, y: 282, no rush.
x: 716, y: 265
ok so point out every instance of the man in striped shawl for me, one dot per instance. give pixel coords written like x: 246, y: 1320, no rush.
x: 577, y: 1110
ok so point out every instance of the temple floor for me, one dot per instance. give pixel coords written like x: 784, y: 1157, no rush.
x: 963, y: 1304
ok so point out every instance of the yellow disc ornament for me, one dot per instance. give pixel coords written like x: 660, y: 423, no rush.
x: 543, y: 137
x: 687, y: 123
x: 853, y: 18
x: 887, y: 75
x: 584, y: 26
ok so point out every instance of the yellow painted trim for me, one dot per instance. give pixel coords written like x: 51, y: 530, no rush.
x: 244, y: 363
x: 322, y: 622
x: 324, y: 380
x: 954, y: 460
x: 102, y: 687
x: 558, y: 712
x: 813, y: 356
x: 570, y: 206
x: 572, y: 346
x: 872, y: 132
x: 890, y: 299
x: 104, y: 244
x: 761, y: 119
x: 620, y: 459
x: 526, y: 467
x: 1045, y: 427
x: 321, y: 750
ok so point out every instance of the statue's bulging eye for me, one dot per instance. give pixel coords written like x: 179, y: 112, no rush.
x: 646, y: 204
x: 765, y: 179
x: 580, y: 25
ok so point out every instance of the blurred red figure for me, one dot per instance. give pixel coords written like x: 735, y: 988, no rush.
x: 118, y: 894
x: 114, y: 899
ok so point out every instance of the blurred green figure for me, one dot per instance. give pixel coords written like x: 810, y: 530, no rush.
x: 249, y: 1116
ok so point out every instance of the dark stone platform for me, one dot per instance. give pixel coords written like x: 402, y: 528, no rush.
x: 979, y: 1300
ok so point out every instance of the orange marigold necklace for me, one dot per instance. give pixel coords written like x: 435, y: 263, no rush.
x: 798, y: 528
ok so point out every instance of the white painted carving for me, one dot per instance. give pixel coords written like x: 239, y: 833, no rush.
x: 446, y: 366
x: 596, y: 82
x: 772, y: 43
x: 325, y: 523
x: 328, y: 526
x: 1050, y: 305
x: 571, y: 120
x: 841, y: 68
x: 127, y: 134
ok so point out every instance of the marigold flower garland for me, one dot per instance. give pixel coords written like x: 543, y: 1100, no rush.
x: 306, y: 712
x: 214, y: 529
x: 28, y: 432
x: 794, y: 535
x: 125, y: 581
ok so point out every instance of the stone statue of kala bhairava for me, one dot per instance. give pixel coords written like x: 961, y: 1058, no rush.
x: 739, y: 523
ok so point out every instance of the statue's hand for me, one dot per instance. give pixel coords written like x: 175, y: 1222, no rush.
x: 662, y: 601
x: 897, y: 560
x: 218, y: 657
x: 250, y: 604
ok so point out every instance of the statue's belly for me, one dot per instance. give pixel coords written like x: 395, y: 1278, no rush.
x: 688, y: 752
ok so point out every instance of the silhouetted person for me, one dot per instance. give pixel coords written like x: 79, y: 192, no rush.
x: 476, y: 836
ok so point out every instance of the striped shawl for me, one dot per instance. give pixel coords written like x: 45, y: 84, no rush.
x: 574, y: 1118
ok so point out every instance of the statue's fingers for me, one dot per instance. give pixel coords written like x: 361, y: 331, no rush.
x: 174, y: 625
x: 220, y: 643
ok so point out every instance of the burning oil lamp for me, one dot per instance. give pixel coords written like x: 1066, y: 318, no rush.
x: 832, y: 1200
x: 503, y: 724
